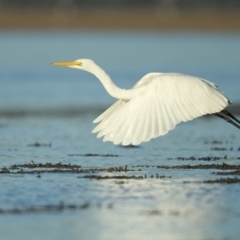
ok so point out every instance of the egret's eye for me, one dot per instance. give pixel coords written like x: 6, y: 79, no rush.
x: 79, y: 64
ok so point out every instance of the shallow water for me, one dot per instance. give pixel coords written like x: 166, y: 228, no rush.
x: 178, y: 207
x: 173, y: 203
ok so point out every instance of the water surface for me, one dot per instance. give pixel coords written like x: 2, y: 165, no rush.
x: 159, y: 203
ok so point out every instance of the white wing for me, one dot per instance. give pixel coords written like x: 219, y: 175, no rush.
x: 118, y: 104
x: 167, y: 100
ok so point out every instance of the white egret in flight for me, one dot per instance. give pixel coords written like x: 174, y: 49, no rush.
x: 155, y: 104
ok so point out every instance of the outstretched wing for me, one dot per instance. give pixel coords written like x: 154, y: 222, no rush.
x: 118, y: 104
x: 167, y: 100
x: 114, y: 108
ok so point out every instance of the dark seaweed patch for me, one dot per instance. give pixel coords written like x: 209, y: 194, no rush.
x: 47, y: 208
x: 37, y: 144
x: 44, y: 165
x: 58, y: 168
x: 237, y: 172
x: 130, y: 146
x: 157, y: 212
x: 222, y: 166
x: 213, y: 142
x: 93, y: 155
x: 223, y: 180
x: 192, y: 158
x: 222, y: 149
x: 38, y: 168
x: 99, y: 177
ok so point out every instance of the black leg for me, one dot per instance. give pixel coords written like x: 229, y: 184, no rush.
x: 227, y: 119
x: 230, y: 115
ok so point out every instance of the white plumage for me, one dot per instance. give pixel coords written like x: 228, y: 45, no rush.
x: 167, y: 100
x: 154, y: 106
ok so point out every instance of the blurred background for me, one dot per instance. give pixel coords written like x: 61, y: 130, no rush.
x: 220, y: 14
x: 126, y: 38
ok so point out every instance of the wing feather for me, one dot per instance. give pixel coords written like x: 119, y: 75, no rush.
x: 146, y: 135
x: 118, y: 104
x: 128, y: 128
x: 169, y: 117
x: 138, y: 135
x: 154, y: 117
x: 167, y: 100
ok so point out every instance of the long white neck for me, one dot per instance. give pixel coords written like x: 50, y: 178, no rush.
x: 111, y: 88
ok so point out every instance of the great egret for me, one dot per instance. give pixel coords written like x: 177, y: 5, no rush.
x: 155, y: 104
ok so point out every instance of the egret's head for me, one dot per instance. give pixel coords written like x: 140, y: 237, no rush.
x: 83, y: 64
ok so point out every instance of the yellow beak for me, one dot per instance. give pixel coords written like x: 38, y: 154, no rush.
x: 66, y: 64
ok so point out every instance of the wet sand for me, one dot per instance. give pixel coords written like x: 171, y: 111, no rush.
x: 125, y: 19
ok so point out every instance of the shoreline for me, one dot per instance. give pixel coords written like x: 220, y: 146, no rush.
x: 122, y: 18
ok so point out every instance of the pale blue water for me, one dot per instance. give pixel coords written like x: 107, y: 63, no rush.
x: 28, y: 79
x: 138, y: 209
